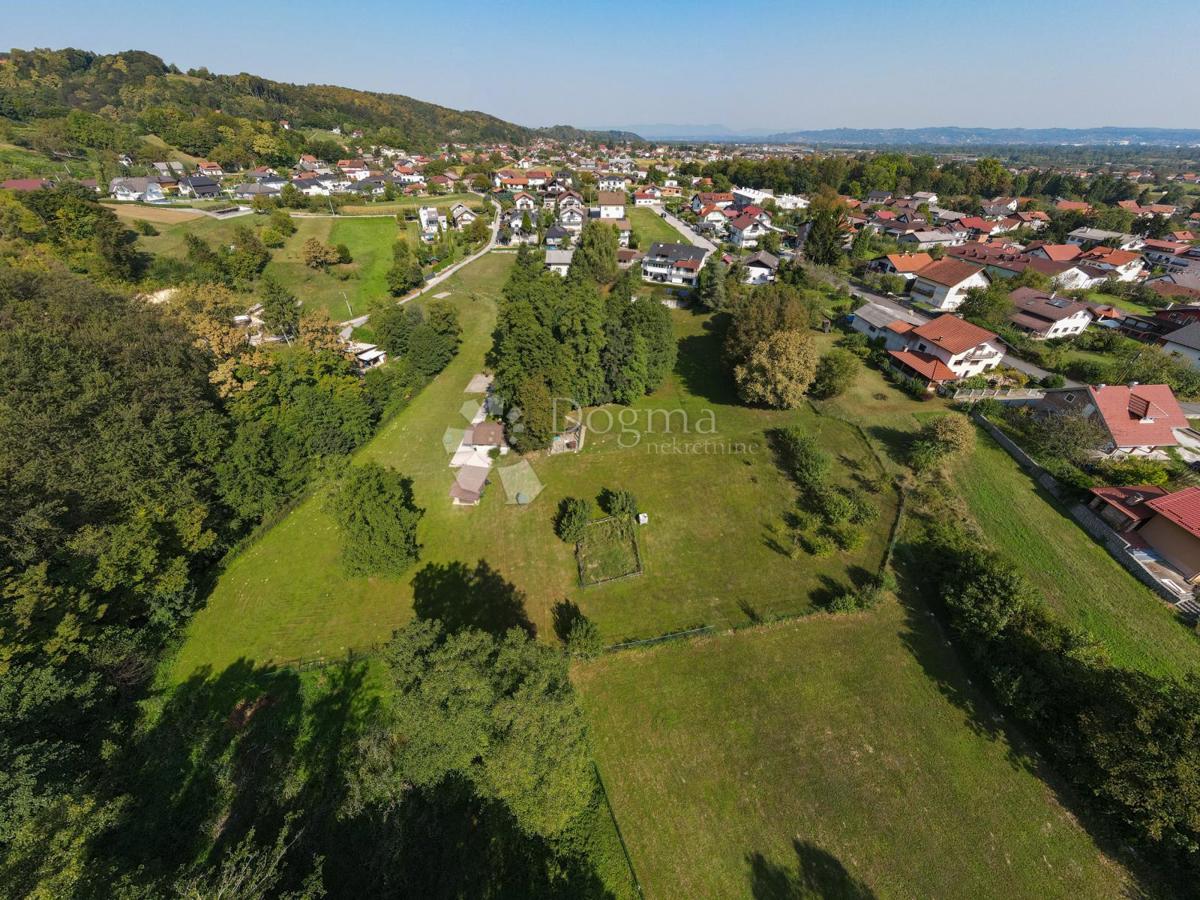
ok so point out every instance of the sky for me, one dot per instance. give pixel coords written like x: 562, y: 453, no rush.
x: 746, y: 65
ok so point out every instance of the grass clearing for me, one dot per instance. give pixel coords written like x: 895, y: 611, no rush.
x: 697, y: 461
x: 828, y: 757
x: 159, y: 215
x: 1078, y: 577
x: 410, y: 204
x: 649, y: 227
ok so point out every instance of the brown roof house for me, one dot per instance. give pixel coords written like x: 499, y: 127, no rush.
x: 1139, y: 419
x: 944, y: 284
x: 1043, y: 315
x: 944, y: 349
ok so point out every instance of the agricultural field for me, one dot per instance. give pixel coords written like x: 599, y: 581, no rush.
x: 716, y: 551
x: 156, y: 215
x: 410, y: 204
x: 649, y: 227
x: 1078, y: 577
x: 834, y: 756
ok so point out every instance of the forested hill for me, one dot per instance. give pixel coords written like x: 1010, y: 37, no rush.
x: 140, y: 89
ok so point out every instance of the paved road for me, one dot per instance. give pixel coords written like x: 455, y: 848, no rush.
x: 683, y: 228
x: 435, y: 280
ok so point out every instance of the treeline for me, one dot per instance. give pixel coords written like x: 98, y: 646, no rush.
x: 138, y: 89
x: 584, y: 340
x: 1128, y: 742
x: 138, y: 444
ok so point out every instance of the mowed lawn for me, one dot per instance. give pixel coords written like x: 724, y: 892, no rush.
x: 360, y: 283
x: 824, y: 758
x: 1077, y: 575
x: 650, y: 227
x: 410, y: 204
x: 713, y: 552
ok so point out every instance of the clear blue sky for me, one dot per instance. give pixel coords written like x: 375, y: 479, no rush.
x: 775, y: 65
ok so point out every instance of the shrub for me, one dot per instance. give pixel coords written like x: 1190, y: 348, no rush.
x: 584, y: 638
x: 141, y: 226
x: 573, y: 517
x: 817, y: 545
x: 1134, y: 471
x: 951, y: 434
x: 1053, y: 380
x: 832, y: 505
x: 846, y: 536
x: 863, y: 509
x: 343, y: 253
x: 807, y: 463
x: 618, y: 502
x: 836, y: 371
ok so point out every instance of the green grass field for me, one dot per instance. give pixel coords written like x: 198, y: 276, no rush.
x: 826, y: 757
x: 1119, y: 302
x: 649, y: 227
x: 608, y: 550
x: 407, y: 204
x: 713, y: 552
x: 1077, y: 576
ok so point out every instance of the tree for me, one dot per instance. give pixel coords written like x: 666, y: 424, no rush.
x: 618, y: 502
x: 828, y: 230
x: 990, y: 306
x: 953, y: 434
x: 531, y: 421
x: 393, y: 325
x: 443, y: 319
x: 764, y: 311
x: 281, y: 312
x: 573, y: 517
x: 596, y: 255
x: 428, y: 351
x: 377, y: 517
x: 1066, y: 435
x: 710, y: 283
x: 778, y: 370
x: 318, y: 255
x: 836, y: 371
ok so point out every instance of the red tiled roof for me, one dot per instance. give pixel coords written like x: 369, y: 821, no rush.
x: 1181, y: 507
x: 909, y: 262
x: 24, y: 184
x: 1140, y: 416
x: 928, y: 367
x: 949, y: 272
x: 1059, y: 252
x: 1130, y: 500
x: 952, y: 334
x: 900, y: 326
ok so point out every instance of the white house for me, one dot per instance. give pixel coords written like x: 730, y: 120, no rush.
x: 647, y: 196
x: 1184, y: 342
x: 944, y: 349
x: 612, y: 204
x: 462, y: 215
x: 144, y: 190
x: 430, y: 222
x: 760, y: 268
x: 944, y: 284
x: 524, y: 201
x: 611, y: 182
x: 673, y: 264
x: 559, y: 261
x: 572, y: 218
x: 745, y: 231
x: 1045, y: 316
x: 744, y: 196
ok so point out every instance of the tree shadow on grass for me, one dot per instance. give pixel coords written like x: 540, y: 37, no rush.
x: 819, y: 875
x: 700, y: 368
x: 461, y: 597
x: 896, y: 442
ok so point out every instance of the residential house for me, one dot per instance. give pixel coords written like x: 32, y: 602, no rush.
x: 612, y: 204
x: 1138, y: 419
x: 673, y: 263
x: 572, y: 218
x: 556, y: 237
x: 1124, y: 265
x: 462, y: 215
x: 1174, y: 531
x: 611, y: 182
x: 523, y: 200
x: 1044, y: 316
x: 250, y: 190
x: 760, y: 267
x: 1125, y: 508
x: 944, y: 284
x: 200, y: 187
x: 559, y: 261
x: 944, y: 349
x: 354, y: 169
x: 431, y: 222
x: 1090, y: 237
x: 745, y: 231
x: 906, y: 265
x: 211, y: 169
x: 1184, y: 342
x: 1054, y: 252
x: 936, y: 237
x: 719, y: 199
x: 647, y: 196
x: 875, y: 321
x: 139, y: 190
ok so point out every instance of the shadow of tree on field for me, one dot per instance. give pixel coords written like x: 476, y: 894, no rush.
x: 819, y: 875
x: 896, y: 442
x: 700, y: 368
x: 461, y: 598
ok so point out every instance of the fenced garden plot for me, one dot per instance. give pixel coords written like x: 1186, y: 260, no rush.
x: 608, y: 550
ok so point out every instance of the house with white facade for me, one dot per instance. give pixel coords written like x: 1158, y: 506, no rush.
x: 745, y: 231
x: 944, y: 284
x: 559, y: 261
x: 612, y: 204
x: 1043, y: 316
x: 611, y: 182
x: 430, y: 221
x: 760, y: 268
x: 673, y: 264
x: 944, y: 349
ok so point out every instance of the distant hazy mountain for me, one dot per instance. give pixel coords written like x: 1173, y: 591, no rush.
x: 961, y: 137
x: 668, y: 132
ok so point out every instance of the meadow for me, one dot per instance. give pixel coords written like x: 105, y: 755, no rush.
x: 833, y: 756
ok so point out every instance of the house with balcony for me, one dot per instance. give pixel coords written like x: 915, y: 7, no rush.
x: 943, y: 349
x: 673, y: 264
x: 611, y: 204
x: 1043, y: 316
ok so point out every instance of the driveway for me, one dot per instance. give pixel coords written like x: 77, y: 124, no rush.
x: 683, y: 228
x: 435, y: 280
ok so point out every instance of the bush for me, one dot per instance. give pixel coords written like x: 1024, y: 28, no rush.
x: 1134, y: 471
x: 836, y: 371
x: 343, y: 253
x: 832, y: 505
x: 846, y: 536
x: 618, y: 503
x: 573, y: 517
x: 805, y: 462
x: 141, y: 226
x: 375, y: 512
x: 1053, y: 380
x: 864, y: 510
x: 583, y: 639
x: 817, y: 545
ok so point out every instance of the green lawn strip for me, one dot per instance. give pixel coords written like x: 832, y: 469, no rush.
x: 830, y: 745
x: 650, y: 227
x: 608, y: 550
x: 1103, y: 299
x: 1077, y: 576
x: 410, y: 204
